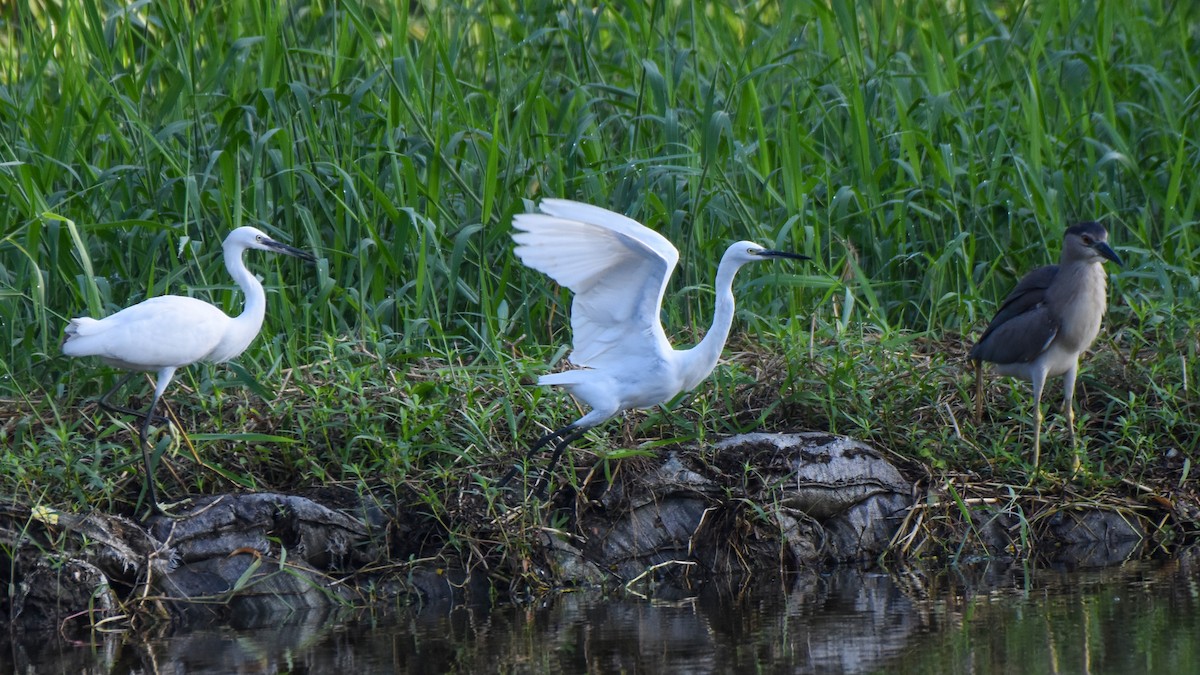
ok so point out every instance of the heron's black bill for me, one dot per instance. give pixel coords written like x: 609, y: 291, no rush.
x: 783, y: 254
x: 289, y: 250
x: 1105, y: 250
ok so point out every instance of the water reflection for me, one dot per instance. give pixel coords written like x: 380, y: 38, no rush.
x: 1141, y: 617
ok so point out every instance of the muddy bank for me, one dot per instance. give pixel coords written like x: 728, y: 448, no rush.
x: 752, y: 504
x: 840, y: 620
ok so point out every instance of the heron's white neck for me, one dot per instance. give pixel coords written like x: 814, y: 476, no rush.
x: 700, y: 360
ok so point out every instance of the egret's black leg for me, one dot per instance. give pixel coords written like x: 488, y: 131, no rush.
x: 151, y: 495
x: 532, y: 451
x: 539, y: 489
x: 105, y: 403
x: 164, y: 378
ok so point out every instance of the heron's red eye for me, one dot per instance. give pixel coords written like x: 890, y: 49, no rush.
x: 1087, y: 240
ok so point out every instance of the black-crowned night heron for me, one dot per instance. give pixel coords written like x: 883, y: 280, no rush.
x: 1048, y: 320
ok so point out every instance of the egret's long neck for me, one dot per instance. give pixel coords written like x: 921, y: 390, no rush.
x: 251, y: 318
x: 702, y: 358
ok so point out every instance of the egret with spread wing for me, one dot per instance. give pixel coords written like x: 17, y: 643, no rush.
x: 618, y: 270
x: 168, y: 332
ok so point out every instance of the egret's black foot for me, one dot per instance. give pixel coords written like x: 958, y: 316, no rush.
x: 106, y: 403
x: 541, y: 442
x: 512, y: 473
x: 154, y: 419
x: 167, y: 510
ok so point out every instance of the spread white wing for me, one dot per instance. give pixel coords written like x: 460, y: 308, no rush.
x: 616, y: 267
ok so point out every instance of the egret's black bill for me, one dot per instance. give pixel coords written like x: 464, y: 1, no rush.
x: 289, y: 250
x: 1105, y: 250
x: 785, y: 254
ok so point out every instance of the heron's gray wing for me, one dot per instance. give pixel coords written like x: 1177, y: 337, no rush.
x: 1028, y: 294
x: 1023, y: 328
x: 1019, y: 339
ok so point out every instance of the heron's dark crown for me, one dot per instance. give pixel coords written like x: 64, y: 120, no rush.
x: 1092, y: 229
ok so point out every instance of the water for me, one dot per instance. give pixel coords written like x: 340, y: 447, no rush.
x: 986, y: 618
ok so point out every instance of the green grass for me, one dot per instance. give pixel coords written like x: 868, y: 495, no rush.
x: 926, y: 154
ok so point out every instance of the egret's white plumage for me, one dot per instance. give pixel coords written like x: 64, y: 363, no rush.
x: 618, y: 271
x: 165, y: 333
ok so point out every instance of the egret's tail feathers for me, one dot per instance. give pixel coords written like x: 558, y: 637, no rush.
x: 79, y: 327
x: 564, y: 378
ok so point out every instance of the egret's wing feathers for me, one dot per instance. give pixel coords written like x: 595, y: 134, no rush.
x: 616, y: 267
x: 1022, y: 328
x: 615, y: 222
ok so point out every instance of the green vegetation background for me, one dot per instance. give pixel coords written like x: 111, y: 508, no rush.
x: 925, y: 153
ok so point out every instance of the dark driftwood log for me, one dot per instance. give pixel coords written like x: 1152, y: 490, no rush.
x: 265, y: 552
x: 252, y: 554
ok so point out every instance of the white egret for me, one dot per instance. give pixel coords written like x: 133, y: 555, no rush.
x: 618, y: 270
x: 168, y: 332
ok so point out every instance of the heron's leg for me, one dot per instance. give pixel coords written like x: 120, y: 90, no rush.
x: 1069, y: 412
x: 543, y: 482
x: 164, y: 378
x: 978, y: 391
x: 1068, y: 397
x: 1039, y: 382
x: 532, y: 451
x: 107, y: 404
